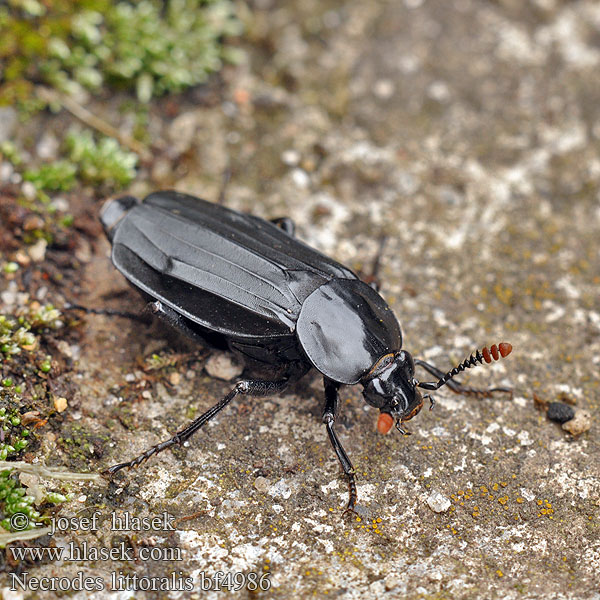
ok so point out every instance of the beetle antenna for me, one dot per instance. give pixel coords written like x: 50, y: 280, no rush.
x: 495, y: 352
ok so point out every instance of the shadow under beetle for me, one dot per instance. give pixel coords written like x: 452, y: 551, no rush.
x: 233, y: 280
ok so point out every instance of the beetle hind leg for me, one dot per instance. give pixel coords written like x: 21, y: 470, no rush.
x: 329, y: 414
x: 250, y: 387
x: 459, y: 388
x: 107, y: 312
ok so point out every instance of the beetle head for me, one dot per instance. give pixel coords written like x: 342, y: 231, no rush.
x: 390, y: 386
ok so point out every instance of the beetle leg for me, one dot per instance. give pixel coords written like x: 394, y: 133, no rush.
x: 106, y: 311
x: 224, y: 184
x: 329, y: 414
x: 286, y: 224
x: 372, y: 278
x: 457, y: 387
x: 250, y: 387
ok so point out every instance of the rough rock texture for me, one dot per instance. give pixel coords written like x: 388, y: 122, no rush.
x: 468, y: 134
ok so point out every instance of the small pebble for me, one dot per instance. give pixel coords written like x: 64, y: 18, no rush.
x: 438, y: 503
x: 60, y: 204
x: 60, y: 404
x: 392, y: 581
x: 175, y: 378
x: 262, y: 484
x: 47, y: 147
x: 560, y: 412
x: 384, y: 89
x: 280, y: 489
x: 6, y: 170
x: 65, y: 349
x: 28, y: 190
x: 579, y: 424
x: 291, y: 158
x: 300, y: 178
x: 33, y: 222
x: 37, y: 252
x: 223, y: 366
x: 22, y: 258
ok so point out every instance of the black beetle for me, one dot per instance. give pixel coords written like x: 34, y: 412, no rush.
x: 233, y: 280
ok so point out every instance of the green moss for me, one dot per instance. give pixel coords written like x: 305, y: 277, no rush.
x: 97, y: 162
x: 81, y: 444
x: 102, y: 162
x: 10, y: 267
x: 55, y: 177
x: 14, y: 337
x: 14, y: 499
x: 9, y: 152
x: 13, y: 435
x: 20, y: 334
x: 148, y: 46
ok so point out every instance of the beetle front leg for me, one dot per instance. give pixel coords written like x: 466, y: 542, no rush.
x: 329, y: 415
x: 457, y: 387
x: 250, y: 387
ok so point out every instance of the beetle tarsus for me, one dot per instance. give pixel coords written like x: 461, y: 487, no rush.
x: 352, y: 497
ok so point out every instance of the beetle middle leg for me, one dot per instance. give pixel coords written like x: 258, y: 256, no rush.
x: 462, y: 389
x: 286, y: 224
x: 250, y: 387
x: 372, y: 278
x: 329, y: 415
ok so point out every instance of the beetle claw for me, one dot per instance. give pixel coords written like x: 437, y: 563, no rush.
x: 401, y: 429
